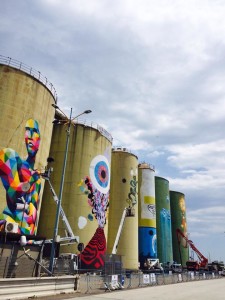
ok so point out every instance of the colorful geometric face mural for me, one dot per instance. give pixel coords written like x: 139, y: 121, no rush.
x: 96, y: 187
x: 22, y: 183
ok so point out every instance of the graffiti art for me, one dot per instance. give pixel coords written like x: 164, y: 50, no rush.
x: 97, y: 191
x: 22, y: 183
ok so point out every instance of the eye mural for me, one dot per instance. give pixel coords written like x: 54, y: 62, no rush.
x: 22, y: 183
x: 96, y: 187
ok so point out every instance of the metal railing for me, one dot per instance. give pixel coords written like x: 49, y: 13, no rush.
x: 92, y: 281
x: 98, y: 281
x: 62, y: 119
x: 95, y: 283
x: 123, y: 149
x: 8, y: 61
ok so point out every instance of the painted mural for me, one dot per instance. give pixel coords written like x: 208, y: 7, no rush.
x: 166, y: 234
x: 132, y: 195
x: 147, y: 241
x: 96, y: 187
x: 183, y: 225
x: 22, y: 183
x: 182, y: 206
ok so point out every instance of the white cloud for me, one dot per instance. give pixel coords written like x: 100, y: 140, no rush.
x: 206, y: 221
x: 152, y: 72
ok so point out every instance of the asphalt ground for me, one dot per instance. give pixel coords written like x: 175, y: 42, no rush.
x: 196, y: 290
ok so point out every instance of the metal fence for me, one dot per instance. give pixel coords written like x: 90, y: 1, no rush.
x: 94, y: 281
x: 8, y: 61
x: 97, y: 283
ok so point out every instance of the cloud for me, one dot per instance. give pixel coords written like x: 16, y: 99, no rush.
x: 152, y: 72
x: 201, y: 166
x: 206, y: 221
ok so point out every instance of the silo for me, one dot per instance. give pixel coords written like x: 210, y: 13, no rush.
x: 24, y: 95
x: 146, y: 213
x: 178, y: 217
x: 123, y: 193
x: 163, y: 220
x: 85, y: 194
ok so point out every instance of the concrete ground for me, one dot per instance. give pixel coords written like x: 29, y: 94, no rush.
x: 196, y: 290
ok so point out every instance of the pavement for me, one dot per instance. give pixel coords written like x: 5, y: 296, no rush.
x: 196, y: 290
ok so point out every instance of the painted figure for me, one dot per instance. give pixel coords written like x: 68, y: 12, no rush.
x: 183, y: 215
x: 97, y: 191
x: 22, y: 183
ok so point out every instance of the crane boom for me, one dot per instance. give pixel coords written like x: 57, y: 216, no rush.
x: 203, y: 261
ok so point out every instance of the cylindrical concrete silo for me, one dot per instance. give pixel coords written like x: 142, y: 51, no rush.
x: 146, y: 213
x: 178, y: 217
x: 24, y: 96
x: 85, y: 192
x: 163, y: 220
x: 123, y: 193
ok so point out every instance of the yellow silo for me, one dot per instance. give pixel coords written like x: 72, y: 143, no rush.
x: 123, y: 193
x: 24, y: 95
x: 85, y: 196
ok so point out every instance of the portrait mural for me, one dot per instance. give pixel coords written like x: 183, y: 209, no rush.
x: 22, y: 183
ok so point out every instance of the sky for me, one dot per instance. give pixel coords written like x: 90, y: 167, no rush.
x: 153, y: 73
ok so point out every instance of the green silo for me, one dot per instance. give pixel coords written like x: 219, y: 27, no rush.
x: 178, y: 217
x: 163, y: 220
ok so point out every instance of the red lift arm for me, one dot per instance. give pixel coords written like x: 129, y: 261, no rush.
x: 203, y: 261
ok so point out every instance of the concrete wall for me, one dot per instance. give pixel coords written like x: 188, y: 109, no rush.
x: 25, y: 288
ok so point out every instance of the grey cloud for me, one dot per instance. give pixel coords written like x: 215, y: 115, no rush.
x: 152, y: 72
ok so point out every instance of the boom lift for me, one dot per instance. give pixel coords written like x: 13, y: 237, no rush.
x: 153, y: 264
x: 128, y: 212
x: 70, y: 237
x: 192, y: 265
